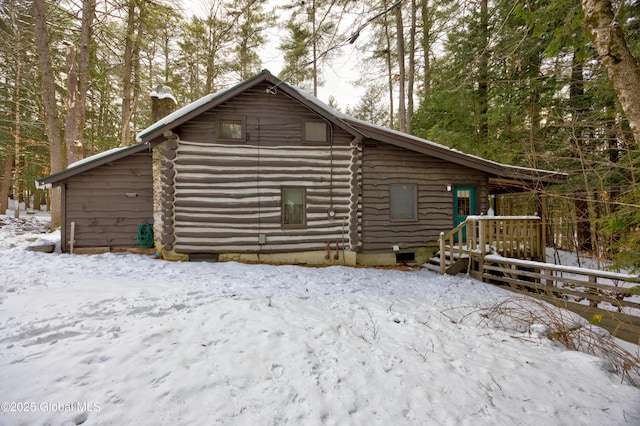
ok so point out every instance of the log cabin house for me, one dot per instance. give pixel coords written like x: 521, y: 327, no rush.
x: 265, y: 172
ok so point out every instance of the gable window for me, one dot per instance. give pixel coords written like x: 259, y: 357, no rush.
x: 403, y: 201
x: 293, y: 207
x: 315, y: 131
x: 231, y: 129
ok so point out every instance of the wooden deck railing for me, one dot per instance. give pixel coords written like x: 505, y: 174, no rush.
x: 452, y: 246
x: 519, y: 237
x: 606, y: 298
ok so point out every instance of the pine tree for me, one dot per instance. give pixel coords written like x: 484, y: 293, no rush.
x: 251, y: 21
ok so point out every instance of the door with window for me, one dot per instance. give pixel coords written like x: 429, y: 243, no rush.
x: 464, y: 204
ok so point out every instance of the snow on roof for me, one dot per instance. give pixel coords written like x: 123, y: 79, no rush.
x: 347, y: 118
x: 208, y: 98
x: 179, y: 113
x: 440, y: 146
x: 344, y: 118
x: 97, y: 157
x: 46, y: 181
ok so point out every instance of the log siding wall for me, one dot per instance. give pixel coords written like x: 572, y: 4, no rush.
x: 383, y: 165
x: 97, y: 202
x: 228, y: 193
x: 205, y: 194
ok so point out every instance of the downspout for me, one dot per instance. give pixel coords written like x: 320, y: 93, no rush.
x: 72, y: 236
x: 344, y: 256
x: 261, y: 240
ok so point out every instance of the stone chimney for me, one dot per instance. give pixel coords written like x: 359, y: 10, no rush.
x: 162, y: 102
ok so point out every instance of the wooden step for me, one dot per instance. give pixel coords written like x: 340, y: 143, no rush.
x: 460, y: 264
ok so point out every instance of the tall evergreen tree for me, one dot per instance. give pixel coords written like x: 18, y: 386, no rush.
x: 251, y: 21
x: 56, y: 153
x: 313, y: 34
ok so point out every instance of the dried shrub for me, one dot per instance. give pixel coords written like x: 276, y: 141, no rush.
x: 525, y: 315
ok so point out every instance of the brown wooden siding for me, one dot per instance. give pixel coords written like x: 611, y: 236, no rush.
x: 97, y: 202
x: 384, y: 165
x: 228, y: 193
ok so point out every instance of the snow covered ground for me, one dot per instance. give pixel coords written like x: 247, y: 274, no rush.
x: 125, y: 339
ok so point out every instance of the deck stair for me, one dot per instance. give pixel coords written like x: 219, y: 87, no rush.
x: 455, y: 261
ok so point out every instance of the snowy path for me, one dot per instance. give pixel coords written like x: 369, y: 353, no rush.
x: 140, y: 341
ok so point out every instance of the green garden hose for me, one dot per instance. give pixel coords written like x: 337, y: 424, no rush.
x: 145, y: 236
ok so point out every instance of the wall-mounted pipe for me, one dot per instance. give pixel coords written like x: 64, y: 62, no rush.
x: 72, y: 236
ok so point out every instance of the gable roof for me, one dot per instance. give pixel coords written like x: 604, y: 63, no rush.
x: 359, y: 129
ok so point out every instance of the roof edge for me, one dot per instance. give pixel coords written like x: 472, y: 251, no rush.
x: 448, y: 153
x: 89, y: 163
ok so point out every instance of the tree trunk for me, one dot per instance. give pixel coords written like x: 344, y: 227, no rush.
x: 426, y: 45
x: 16, y: 135
x: 49, y: 100
x: 73, y: 126
x: 402, y: 74
x: 583, y: 226
x: 139, y: 31
x: 314, y: 41
x: 411, y: 76
x: 483, y: 74
x: 7, y: 167
x: 127, y: 76
x: 37, y: 198
x: 77, y: 86
x: 576, y: 107
x: 622, y: 67
x: 389, y: 71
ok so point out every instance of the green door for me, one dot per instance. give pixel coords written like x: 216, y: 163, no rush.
x: 464, y: 204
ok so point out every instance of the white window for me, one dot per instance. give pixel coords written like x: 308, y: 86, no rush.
x: 403, y: 201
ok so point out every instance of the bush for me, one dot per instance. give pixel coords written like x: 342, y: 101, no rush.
x: 525, y: 315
